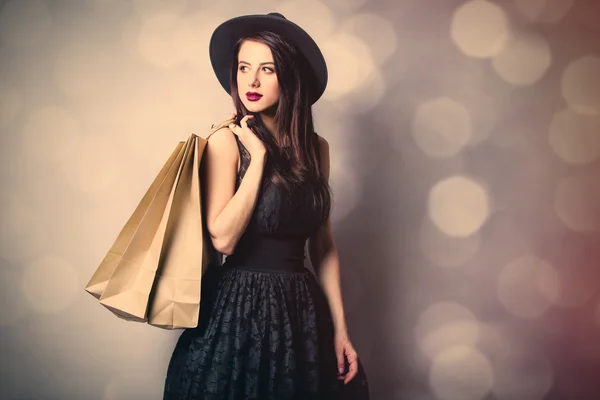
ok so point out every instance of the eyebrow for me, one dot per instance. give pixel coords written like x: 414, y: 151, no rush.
x: 262, y: 63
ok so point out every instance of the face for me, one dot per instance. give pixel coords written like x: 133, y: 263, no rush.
x: 257, y: 83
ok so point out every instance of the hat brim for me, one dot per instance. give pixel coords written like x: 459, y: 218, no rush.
x: 227, y: 34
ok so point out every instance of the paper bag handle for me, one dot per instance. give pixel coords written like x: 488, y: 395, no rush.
x: 214, y: 128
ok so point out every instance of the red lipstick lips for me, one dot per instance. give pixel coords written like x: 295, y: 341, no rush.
x: 253, y: 96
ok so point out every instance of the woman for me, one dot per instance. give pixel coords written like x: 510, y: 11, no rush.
x: 268, y: 328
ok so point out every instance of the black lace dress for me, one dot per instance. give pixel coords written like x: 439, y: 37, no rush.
x: 265, y: 329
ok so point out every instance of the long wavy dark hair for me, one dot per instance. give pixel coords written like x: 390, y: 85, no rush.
x: 295, y: 161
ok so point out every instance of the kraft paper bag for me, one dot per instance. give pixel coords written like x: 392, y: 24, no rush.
x: 107, y: 267
x: 127, y: 292
x: 181, y: 255
x: 153, y: 271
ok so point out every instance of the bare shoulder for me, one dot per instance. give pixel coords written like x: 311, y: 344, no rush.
x: 222, y: 137
x: 222, y: 143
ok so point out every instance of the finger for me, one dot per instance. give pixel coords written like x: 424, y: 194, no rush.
x: 233, y: 128
x: 339, y: 353
x: 244, y: 121
x: 352, y: 355
x: 353, y: 370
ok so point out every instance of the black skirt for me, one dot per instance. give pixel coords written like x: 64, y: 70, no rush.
x: 261, y: 335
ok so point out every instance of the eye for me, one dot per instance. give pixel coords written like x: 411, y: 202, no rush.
x: 242, y: 67
x: 269, y: 69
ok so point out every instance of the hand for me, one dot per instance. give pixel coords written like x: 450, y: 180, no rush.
x: 248, y: 138
x: 344, y: 348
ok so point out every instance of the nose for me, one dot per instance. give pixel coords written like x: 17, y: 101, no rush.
x: 254, y: 82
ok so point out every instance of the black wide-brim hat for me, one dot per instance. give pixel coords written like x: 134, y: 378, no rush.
x: 229, y: 32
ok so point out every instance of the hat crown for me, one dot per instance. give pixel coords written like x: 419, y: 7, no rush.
x: 276, y: 14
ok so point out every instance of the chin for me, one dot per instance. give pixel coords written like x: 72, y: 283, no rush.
x: 256, y: 106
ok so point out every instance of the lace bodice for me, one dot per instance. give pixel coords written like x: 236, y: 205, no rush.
x: 278, y: 213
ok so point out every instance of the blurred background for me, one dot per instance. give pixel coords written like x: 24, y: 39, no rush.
x: 465, y: 145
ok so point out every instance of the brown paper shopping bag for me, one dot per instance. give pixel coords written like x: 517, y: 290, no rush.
x: 183, y: 252
x: 153, y: 271
x: 99, y: 279
x: 187, y: 249
x: 128, y: 290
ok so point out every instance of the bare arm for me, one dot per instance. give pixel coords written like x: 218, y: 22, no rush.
x: 324, y: 257
x: 227, y: 211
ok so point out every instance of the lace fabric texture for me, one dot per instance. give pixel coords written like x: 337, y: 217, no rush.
x: 262, y: 335
x: 276, y: 212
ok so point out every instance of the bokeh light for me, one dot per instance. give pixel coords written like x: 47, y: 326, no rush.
x: 458, y: 206
x: 443, y: 325
x: 575, y: 137
x: 524, y: 59
x: 441, y: 127
x: 351, y: 64
x: 461, y: 373
x: 479, y: 28
x: 354, y: 53
x: 365, y: 98
x: 580, y: 85
x: 377, y: 32
x: 464, y: 90
x: 527, y: 286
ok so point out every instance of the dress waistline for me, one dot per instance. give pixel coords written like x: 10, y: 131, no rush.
x: 269, y: 254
